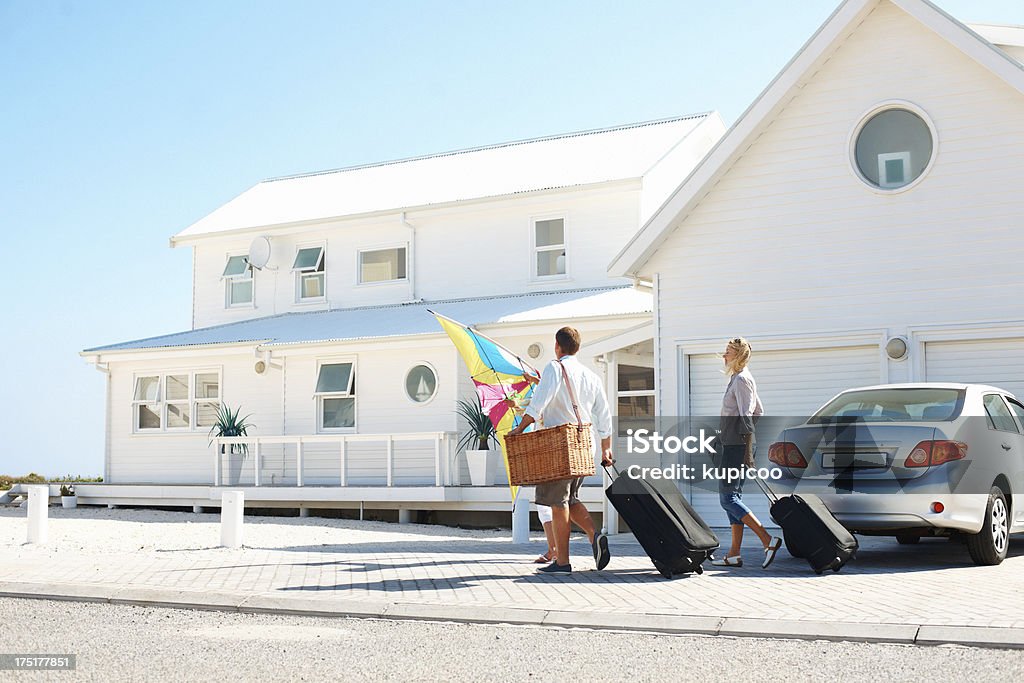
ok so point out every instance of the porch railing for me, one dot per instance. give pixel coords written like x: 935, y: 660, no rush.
x: 445, y: 470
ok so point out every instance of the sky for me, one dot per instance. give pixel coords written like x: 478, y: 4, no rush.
x: 122, y: 123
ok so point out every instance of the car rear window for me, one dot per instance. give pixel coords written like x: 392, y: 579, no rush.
x: 894, y: 405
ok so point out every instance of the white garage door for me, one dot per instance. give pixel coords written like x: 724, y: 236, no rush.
x: 998, y: 362
x: 790, y: 384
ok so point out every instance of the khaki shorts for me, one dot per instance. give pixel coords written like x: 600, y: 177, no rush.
x: 558, y: 494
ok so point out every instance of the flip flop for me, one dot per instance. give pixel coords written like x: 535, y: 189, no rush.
x: 543, y: 559
x: 769, y: 552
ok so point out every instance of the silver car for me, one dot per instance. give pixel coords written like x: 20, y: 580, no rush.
x: 913, y: 460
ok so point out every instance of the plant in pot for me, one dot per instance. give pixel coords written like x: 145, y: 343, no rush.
x: 68, y: 498
x: 477, y: 439
x: 230, y: 423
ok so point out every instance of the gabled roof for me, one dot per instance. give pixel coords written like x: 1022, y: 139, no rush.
x: 569, y: 160
x: 843, y: 22
x: 402, y: 320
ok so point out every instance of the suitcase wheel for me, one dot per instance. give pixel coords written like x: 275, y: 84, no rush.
x: 699, y: 569
x: 819, y: 572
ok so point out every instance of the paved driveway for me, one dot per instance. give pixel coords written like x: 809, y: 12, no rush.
x: 932, y: 583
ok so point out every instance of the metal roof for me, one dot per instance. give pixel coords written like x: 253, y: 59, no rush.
x: 567, y: 160
x: 401, y: 320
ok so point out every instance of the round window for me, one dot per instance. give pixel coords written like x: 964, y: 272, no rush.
x: 893, y: 148
x: 421, y: 383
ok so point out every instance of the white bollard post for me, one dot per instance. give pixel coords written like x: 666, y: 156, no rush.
x: 521, y: 519
x: 232, y: 509
x: 404, y: 516
x: 38, y: 504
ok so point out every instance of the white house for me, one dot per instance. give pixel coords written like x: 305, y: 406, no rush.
x: 860, y: 223
x: 310, y: 314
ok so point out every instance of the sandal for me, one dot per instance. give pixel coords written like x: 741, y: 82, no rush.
x: 731, y: 561
x: 546, y: 558
x: 769, y: 552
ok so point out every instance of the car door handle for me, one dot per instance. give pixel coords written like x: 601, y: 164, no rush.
x: 1005, y: 447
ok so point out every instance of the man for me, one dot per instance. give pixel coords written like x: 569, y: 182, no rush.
x: 551, y: 398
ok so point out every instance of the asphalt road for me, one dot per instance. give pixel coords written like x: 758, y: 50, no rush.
x: 123, y: 643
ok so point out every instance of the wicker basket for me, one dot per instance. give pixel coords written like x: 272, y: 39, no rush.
x: 563, y: 452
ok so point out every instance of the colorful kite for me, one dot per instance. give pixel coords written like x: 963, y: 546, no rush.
x: 497, y: 374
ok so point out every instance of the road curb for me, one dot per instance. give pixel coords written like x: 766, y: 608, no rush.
x: 672, y: 624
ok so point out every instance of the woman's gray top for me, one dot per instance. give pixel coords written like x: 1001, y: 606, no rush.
x: 740, y: 408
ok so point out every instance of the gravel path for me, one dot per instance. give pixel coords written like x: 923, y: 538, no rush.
x: 121, y: 643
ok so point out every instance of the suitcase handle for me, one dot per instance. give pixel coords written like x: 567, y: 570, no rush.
x: 614, y: 469
x: 766, y: 490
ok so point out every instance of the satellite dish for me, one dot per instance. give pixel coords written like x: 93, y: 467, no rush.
x: 259, y: 253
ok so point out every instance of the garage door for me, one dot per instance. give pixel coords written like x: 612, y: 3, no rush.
x: 999, y: 362
x: 791, y: 383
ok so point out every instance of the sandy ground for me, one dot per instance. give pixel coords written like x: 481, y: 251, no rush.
x: 102, y: 531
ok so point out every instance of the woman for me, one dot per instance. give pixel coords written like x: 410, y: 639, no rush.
x: 740, y: 408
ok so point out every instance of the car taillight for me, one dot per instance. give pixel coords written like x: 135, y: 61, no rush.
x: 786, y: 454
x: 930, y: 453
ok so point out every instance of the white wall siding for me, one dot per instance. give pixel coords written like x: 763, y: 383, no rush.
x: 282, y: 402
x: 467, y: 251
x: 185, y: 457
x: 790, y: 241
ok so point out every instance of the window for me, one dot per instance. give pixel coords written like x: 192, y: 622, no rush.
x: 636, y: 398
x: 893, y: 147
x: 176, y: 401
x: 309, y: 273
x: 237, y: 278
x: 549, y: 247
x: 1017, y: 409
x: 893, y: 405
x: 421, y: 383
x: 335, y: 396
x: 999, y: 416
x: 382, y: 265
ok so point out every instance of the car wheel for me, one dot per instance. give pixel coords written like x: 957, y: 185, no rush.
x: 989, y: 546
x: 908, y: 539
x: 792, y: 549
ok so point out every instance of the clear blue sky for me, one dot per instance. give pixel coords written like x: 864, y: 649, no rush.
x: 124, y: 122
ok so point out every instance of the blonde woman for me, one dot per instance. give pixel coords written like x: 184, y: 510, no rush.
x: 740, y: 408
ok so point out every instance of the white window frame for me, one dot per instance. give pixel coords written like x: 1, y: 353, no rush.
x: 883, y: 177
x: 382, y: 247
x: 862, y: 120
x: 230, y: 280
x: 302, y: 273
x: 535, y: 250
x: 318, y: 397
x: 162, y: 402
x: 628, y: 393
x: 437, y: 383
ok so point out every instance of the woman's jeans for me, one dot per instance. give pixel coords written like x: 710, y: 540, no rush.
x: 730, y: 492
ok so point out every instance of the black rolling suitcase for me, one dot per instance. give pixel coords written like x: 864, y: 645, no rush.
x: 674, y: 536
x: 811, y: 531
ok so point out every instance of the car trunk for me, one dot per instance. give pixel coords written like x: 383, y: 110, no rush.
x: 860, y: 450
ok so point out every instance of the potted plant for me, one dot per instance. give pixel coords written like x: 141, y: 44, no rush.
x: 482, y: 461
x: 68, y: 498
x: 229, y: 423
